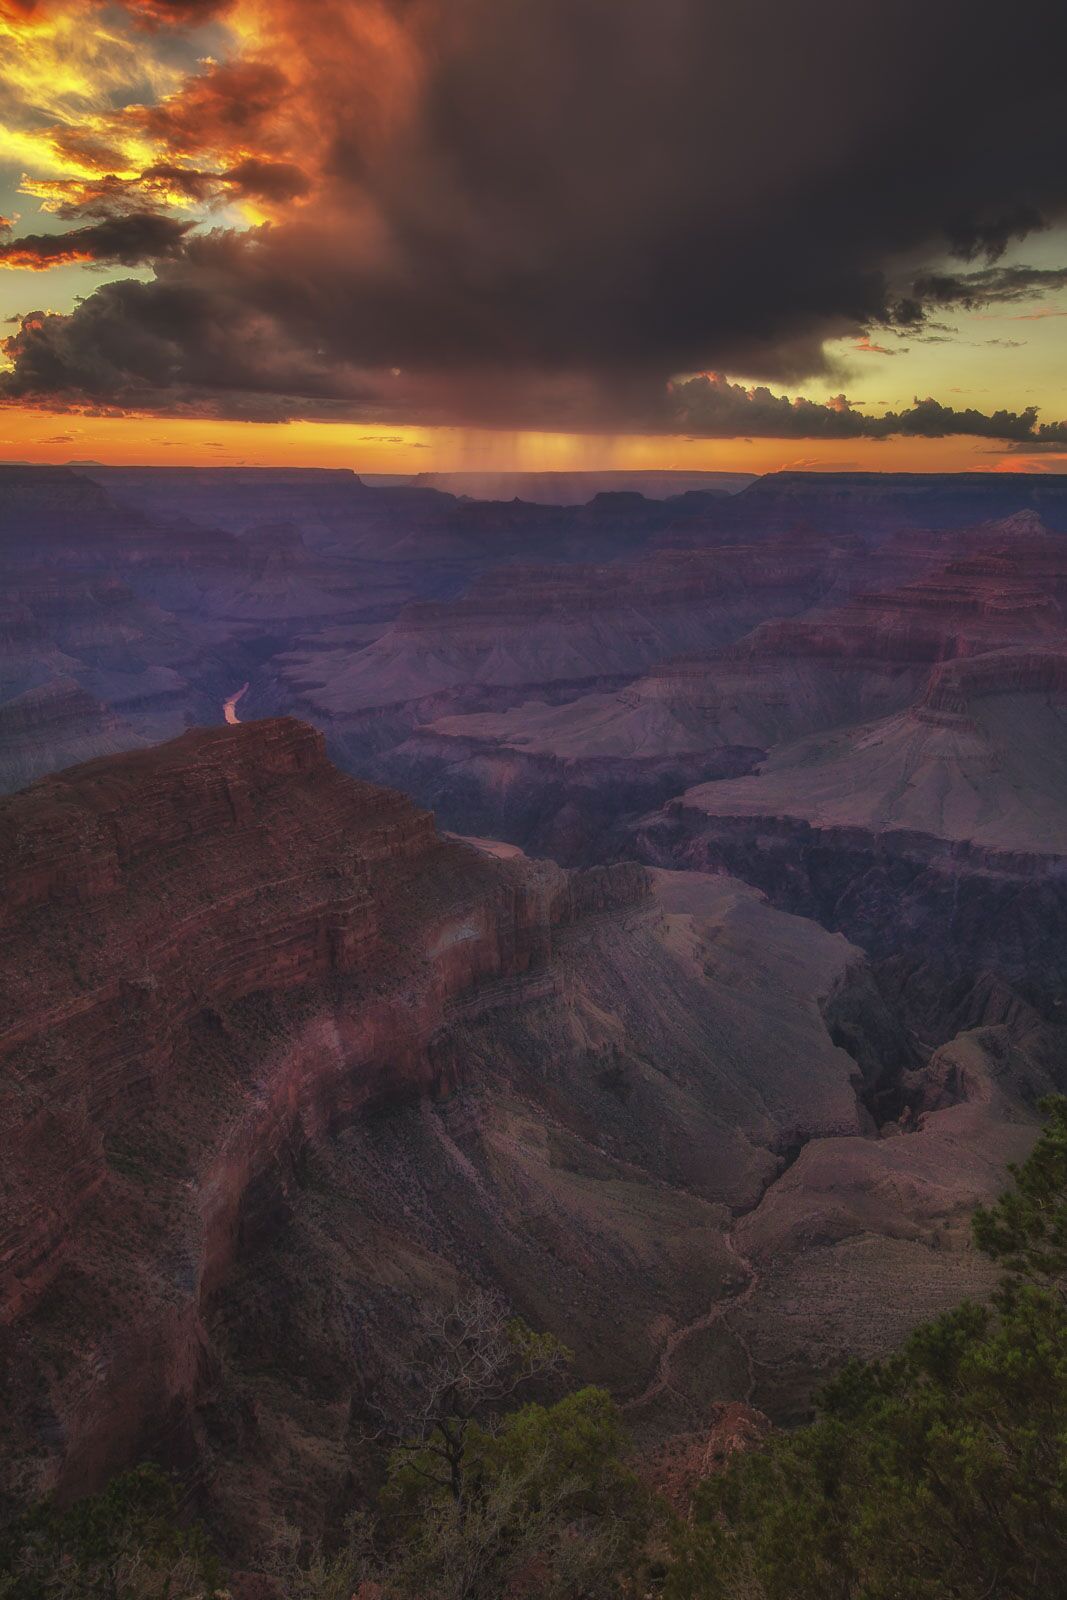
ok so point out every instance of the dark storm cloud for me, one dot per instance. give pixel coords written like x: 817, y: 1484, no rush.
x: 989, y: 236
x: 265, y: 180
x: 990, y: 286
x: 156, y: 348
x: 715, y: 408
x: 175, y: 346
x: 124, y: 240
x: 565, y: 202
x: 252, y: 178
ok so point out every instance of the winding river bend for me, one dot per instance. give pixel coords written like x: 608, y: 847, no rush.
x: 229, y: 706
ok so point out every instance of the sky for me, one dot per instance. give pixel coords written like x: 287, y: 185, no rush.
x: 423, y: 235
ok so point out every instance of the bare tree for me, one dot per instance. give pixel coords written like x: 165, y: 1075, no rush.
x: 474, y: 1358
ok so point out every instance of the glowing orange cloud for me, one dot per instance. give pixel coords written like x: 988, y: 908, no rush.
x: 202, y: 138
x: 29, y: 260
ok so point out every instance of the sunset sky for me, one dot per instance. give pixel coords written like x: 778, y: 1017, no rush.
x: 409, y: 235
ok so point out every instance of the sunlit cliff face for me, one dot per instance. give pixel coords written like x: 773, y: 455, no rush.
x: 413, y: 234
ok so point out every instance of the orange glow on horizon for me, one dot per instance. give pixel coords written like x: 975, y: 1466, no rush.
x: 56, y: 438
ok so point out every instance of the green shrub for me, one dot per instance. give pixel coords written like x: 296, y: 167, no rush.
x: 127, y: 1543
x: 939, y: 1474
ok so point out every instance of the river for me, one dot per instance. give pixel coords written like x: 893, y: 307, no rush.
x: 229, y: 707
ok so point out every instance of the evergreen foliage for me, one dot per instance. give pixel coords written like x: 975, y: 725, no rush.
x: 939, y: 1474
x: 127, y: 1543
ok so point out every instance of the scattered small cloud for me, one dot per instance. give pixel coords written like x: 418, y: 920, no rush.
x: 1038, y: 316
x: 391, y: 438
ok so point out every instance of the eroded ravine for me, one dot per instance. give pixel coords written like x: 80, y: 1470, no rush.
x: 662, y: 1381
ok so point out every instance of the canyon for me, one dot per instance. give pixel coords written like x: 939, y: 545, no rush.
x: 281, y: 1062
x: 650, y: 908
x: 377, y: 612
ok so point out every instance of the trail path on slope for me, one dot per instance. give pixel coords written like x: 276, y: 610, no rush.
x: 662, y: 1380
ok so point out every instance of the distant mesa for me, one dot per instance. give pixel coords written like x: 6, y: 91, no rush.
x: 567, y: 488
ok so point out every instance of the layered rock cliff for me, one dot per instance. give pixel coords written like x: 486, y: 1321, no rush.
x: 882, y: 503
x: 557, y: 628
x: 279, y: 1064
x: 56, y: 721
x: 554, y: 768
x: 182, y: 938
